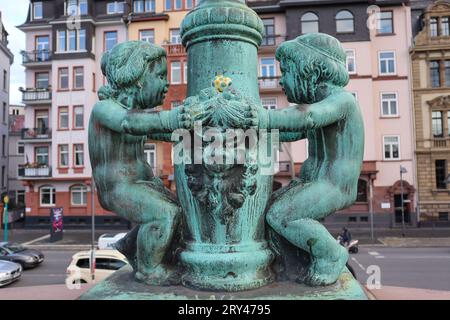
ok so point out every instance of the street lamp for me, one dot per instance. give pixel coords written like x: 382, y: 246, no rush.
x: 402, y: 171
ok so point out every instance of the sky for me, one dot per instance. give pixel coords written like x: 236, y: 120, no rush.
x: 14, y: 13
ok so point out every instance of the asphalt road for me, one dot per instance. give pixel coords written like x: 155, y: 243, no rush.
x: 51, y: 271
x: 424, y: 268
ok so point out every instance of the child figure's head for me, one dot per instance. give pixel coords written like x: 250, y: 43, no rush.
x: 310, y: 62
x: 137, y: 75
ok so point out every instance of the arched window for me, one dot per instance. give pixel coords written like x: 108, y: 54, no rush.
x: 362, y: 191
x: 345, y: 22
x: 47, y: 196
x: 309, y: 23
x: 78, y: 195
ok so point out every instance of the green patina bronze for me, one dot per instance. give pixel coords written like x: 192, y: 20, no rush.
x: 226, y: 230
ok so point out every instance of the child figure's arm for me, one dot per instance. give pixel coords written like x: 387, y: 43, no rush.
x: 136, y: 122
x: 317, y: 115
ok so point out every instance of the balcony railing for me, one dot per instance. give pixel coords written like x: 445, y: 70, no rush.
x: 269, y: 82
x: 174, y: 49
x: 36, y: 95
x: 36, y: 56
x: 36, y: 133
x: 441, y: 142
x: 31, y: 172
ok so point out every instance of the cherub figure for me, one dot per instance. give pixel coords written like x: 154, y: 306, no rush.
x: 314, y: 76
x: 137, y: 80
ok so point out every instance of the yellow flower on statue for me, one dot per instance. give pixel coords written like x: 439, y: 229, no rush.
x: 221, y: 83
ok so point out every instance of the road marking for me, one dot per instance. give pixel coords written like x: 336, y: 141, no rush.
x: 36, y: 240
x: 373, y: 253
x: 379, y: 257
x: 359, y: 264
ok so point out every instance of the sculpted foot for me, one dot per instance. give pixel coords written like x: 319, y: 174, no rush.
x: 159, y: 276
x: 323, y: 272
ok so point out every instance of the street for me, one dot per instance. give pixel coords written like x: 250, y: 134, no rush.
x: 51, y: 271
x: 425, y: 268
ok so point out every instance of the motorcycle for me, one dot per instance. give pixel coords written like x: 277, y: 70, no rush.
x: 352, y: 247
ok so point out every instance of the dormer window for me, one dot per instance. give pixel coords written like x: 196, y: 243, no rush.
x: 76, y: 7
x: 37, y: 10
x: 114, y: 7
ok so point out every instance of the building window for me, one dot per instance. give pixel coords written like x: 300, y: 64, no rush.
x: 63, y: 118
x: 20, y: 197
x: 63, y: 78
x: 149, y: 5
x: 175, y: 37
x: 268, y: 67
x: 269, y: 34
x: 71, y: 40
x: 178, y: 4
x: 445, y: 28
x: 433, y: 27
x: 147, y: 35
x: 447, y: 72
x: 77, y: 7
x: 387, y: 62
x: 389, y: 104
x: 4, y: 117
x: 114, y: 7
x: 185, y: 72
x: 344, y: 22
x: 443, y: 216
x: 41, y: 80
x: 4, y: 145
x: 391, y: 147
x: 138, y: 6
x: 41, y: 154
x: 63, y: 155
x: 189, y: 4
x: 37, y: 10
x: 47, y: 196
x: 175, y: 72
x: 448, y: 123
x: 78, y: 117
x: 79, y: 155
x: 78, y: 195
x: 385, y: 23
x: 435, y: 74
x: 362, y: 191
x: 350, y: 61
x: 167, y: 5
x: 78, y: 81
x: 41, y: 121
x: 441, y: 174
x: 150, y: 155
x: 309, y: 23
x: 269, y: 103
x: 437, y: 124
x: 141, y: 6
x: 62, y: 42
x: 20, y: 148
x: 5, y: 80
x: 110, y: 40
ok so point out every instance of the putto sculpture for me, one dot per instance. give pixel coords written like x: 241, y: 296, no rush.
x: 226, y: 230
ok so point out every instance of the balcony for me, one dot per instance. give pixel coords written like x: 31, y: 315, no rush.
x: 175, y: 49
x: 269, y: 83
x: 36, y: 58
x: 36, y: 134
x: 36, y: 96
x: 440, y: 143
x: 35, y: 171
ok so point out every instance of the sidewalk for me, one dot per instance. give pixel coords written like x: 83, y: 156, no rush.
x: 399, y: 293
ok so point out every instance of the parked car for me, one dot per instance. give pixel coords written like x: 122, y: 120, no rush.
x: 107, y: 240
x: 14, y: 252
x: 9, y: 272
x: 106, y: 263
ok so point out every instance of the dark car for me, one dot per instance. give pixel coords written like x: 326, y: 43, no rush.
x: 14, y: 252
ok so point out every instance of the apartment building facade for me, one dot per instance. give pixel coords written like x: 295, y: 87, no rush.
x: 6, y: 59
x: 430, y: 57
x: 65, y: 40
x: 378, y: 62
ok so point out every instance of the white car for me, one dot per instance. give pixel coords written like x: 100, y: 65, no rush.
x: 106, y: 263
x: 107, y: 241
x: 9, y: 272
